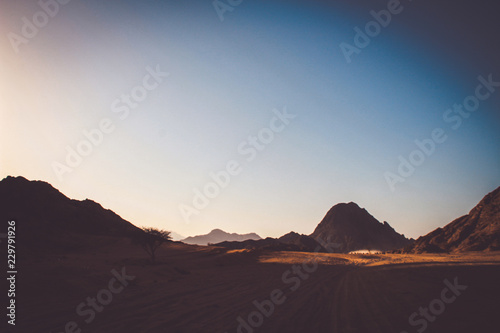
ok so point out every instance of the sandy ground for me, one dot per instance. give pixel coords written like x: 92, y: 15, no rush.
x: 204, y: 289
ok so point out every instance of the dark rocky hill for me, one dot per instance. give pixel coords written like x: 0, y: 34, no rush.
x: 47, y: 219
x: 304, y: 242
x: 289, y: 242
x: 351, y: 228
x: 477, y: 231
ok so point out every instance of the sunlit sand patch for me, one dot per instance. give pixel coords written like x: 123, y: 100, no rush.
x: 366, y: 252
x: 359, y: 259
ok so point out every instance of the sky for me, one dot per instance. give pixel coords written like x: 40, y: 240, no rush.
x: 254, y: 116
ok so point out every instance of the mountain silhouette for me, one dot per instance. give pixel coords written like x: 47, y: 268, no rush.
x: 218, y: 236
x: 47, y: 219
x: 289, y: 242
x: 348, y: 228
x: 477, y: 231
x: 303, y: 242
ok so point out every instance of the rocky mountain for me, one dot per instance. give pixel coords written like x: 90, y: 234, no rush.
x: 289, y: 242
x: 477, y: 231
x: 303, y: 242
x: 47, y: 219
x: 345, y: 228
x: 218, y: 236
x: 269, y: 244
x: 349, y: 227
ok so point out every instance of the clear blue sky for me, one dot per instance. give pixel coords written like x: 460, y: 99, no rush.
x: 352, y: 122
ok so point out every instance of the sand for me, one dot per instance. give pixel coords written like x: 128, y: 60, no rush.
x: 206, y: 289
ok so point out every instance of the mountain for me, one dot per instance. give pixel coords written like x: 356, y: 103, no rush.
x: 303, y: 242
x: 477, y: 231
x: 349, y: 227
x: 218, y: 236
x: 269, y: 244
x: 289, y: 242
x: 47, y: 219
x: 176, y: 237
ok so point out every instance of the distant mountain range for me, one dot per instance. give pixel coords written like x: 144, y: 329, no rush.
x: 477, y: 231
x: 217, y: 236
x: 176, y: 237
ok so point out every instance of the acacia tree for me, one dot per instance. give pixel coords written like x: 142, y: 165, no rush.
x: 152, y: 239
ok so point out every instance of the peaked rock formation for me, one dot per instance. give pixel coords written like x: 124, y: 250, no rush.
x: 218, y: 236
x: 348, y: 228
x: 477, y: 231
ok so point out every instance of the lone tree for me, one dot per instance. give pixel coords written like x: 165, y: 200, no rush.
x: 152, y: 239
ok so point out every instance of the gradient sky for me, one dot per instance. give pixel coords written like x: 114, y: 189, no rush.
x: 225, y: 79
